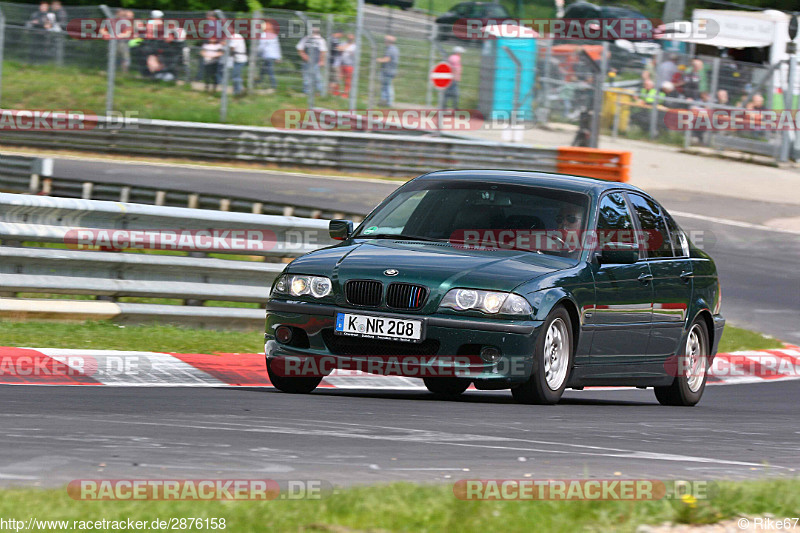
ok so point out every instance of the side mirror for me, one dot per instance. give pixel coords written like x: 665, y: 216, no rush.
x: 340, y: 230
x: 618, y: 253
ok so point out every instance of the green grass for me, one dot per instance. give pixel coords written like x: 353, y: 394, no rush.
x: 110, y: 336
x: 736, y: 339
x: 420, y: 508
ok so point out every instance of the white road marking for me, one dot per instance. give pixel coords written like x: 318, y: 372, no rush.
x: 729, y: 222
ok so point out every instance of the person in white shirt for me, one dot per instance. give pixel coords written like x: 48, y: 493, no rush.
x: 269, y: 52
x: 237, y: 60
x: 312, y: 49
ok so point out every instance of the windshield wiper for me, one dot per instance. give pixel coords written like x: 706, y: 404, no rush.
x: 399, y: 237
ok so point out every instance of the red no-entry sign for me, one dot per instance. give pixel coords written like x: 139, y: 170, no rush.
x: 442, y: 75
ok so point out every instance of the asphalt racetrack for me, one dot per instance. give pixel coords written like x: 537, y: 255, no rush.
x: 52, y: 435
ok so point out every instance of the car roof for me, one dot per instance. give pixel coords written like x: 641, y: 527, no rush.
x: 566, y: 182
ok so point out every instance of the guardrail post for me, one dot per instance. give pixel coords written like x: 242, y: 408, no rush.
x: 86, y: 190
x: 224, y: 204
x: 161, y: 197
x: 258, y: 207
x: 288, y: 211
x: 125, y: 194
x: 193, y: 202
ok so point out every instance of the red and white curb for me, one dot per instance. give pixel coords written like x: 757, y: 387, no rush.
x: 56, y: 366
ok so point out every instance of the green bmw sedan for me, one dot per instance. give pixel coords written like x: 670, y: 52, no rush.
x: 527, y: 281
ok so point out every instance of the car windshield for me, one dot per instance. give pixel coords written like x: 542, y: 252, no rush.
x: 482, y: 215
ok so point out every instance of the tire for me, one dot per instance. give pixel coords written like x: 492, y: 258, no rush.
x: 687, y: 389
x: 450, y: 387
x: 548, y: 381
x: 290, y: 384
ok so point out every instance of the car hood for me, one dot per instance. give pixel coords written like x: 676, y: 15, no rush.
x: 438, y: 266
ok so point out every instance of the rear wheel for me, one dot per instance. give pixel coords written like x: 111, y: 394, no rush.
x: 293, y: 385
x: 553, y: 355
x: 446, y: 386
x: 687, y: 388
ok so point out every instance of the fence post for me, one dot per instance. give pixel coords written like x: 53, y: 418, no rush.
x: 548, y: 58
x: 2, y: 45
x: 373, y: 51
x: 788, y: 103
x: 326, y: 68
x: 111, y: 73
x: 598, y: 97
x: 357, y: 66
x: 223, y: 104
x: 654, y: 109
x: 252, y: 66
x: 431, y: 62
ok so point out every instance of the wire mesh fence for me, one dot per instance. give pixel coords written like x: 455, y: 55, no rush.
x: 630, y: 90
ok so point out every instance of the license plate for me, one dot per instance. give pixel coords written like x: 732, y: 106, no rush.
x: 378, y: 327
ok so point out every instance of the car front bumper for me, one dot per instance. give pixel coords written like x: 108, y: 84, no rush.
x: 450, y: 347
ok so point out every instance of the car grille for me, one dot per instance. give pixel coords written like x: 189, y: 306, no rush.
x: 364, y: 292
x: 406, y: 296
x: 343, y: 345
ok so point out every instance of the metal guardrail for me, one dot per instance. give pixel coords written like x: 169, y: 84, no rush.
x: 26, y: 265
x: 21, y: 174
x: 356, y: 152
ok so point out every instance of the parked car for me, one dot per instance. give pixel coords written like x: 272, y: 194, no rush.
x: 403, y: 4
x: 468, y: 10
x: 625, y: 52
x: 443, y: 281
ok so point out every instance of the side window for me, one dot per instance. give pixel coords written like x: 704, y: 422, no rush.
x: 614, y: 222
x: 496, y: 11
x: 461, y: 10
x: 680, y: 243
x: 658, y: 243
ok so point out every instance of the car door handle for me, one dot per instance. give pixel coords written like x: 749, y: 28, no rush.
x: 686, y: 276
x: 646, y: 278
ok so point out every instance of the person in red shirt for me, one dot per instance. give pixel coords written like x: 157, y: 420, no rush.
x: 451, y: 93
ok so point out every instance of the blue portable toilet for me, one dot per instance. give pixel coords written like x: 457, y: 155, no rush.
x: 508, y: 72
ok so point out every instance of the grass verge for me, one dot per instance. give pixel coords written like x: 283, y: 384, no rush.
x: 158, y: 338
x: 420, y: 508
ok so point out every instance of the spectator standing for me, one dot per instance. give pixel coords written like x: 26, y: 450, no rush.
x: 269, y: 52
x: 211, y: 52
x: 348, y: 63
x: 666, y: 70
x: 695, y: 84
x: 451, y: 93
x: 41, y: 19
x: 335, y: 63
x: 237, y: 61
x: 389, y: 63
x: 123, y: 47
x: 312, y: 49
x: 60, y: 15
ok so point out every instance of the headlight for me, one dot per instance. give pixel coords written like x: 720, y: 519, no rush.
x: 486, y: 301
x: 317, y: 286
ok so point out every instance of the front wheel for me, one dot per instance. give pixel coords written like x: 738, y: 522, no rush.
x: 450, y: 387
x: 553, y: 358
x: 687, y: 387
x: 292, y: 385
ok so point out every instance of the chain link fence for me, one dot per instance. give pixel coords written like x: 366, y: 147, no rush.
x: 623, y: 89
